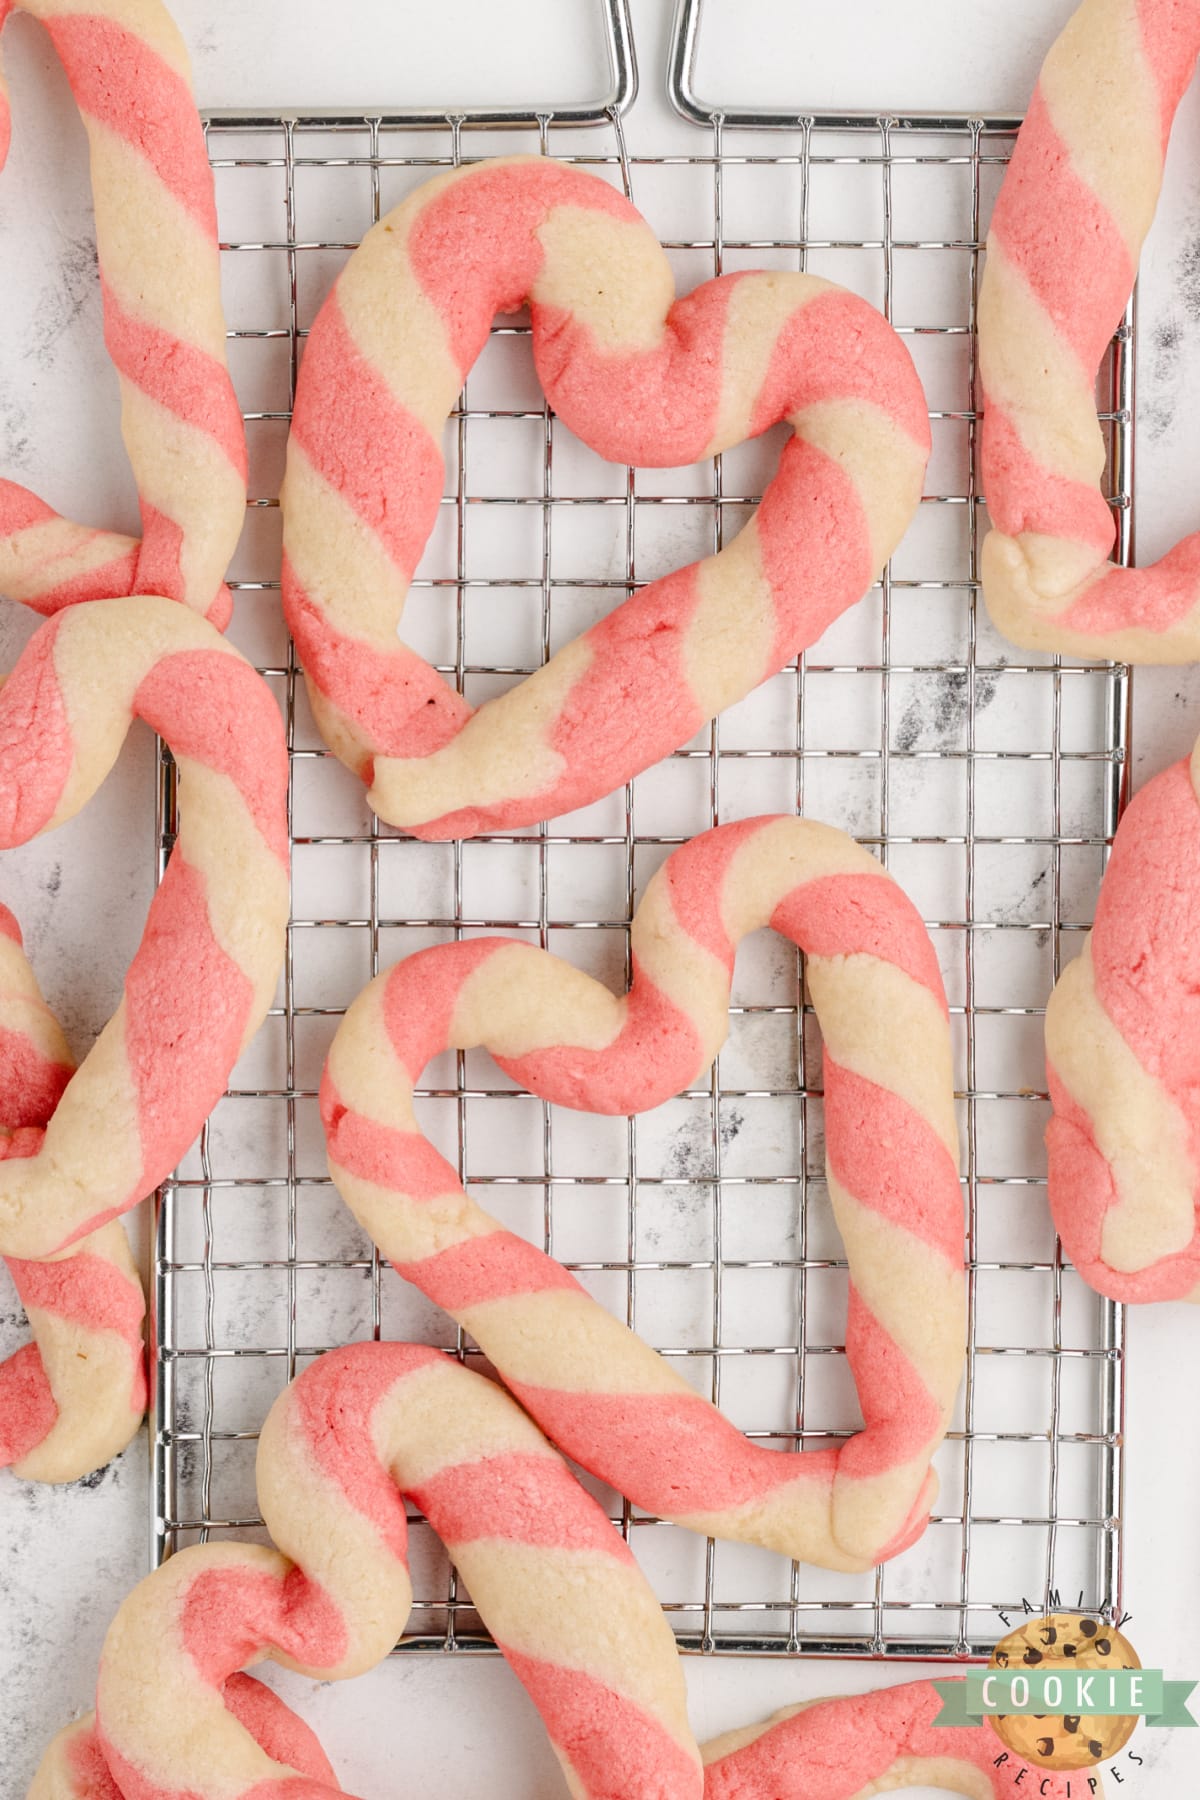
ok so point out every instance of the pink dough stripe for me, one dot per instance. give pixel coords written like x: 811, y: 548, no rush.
x: 270, y: 1722
x: 902, y: 1416
x: 104, y: 582
x: 334, y: 1409
x: 874, y: 1141
x: 1169, y: 43
x: 474, y: 246
x: 657, y: 1052
x: 9, y: 927
x: 695, y: 877
x: 615, y: 1748
x: 498, y: 1266
x: 36, y: 749
x: 349, y: 405
x: 89, y: 1769
x: 19, y: 509
x: 835, y: 349
x: 1146, y: 939
x: 541, y: 1507
x: 408, y: 701
x: 658, y: 407
x: 30, y: 1086
x: 219, y: 712
x: 1034, y: 498
x: 384, y: 1154
x: 1154, y: 599
x: 119, y: 80
x: 421, y: 993
x: 1052, y: 225
x: 181, y: 377
x: 655, y: 1447
x: 27, y: 1409
x: 229, y: 1616
x: 860, y: 915
x: 835, y: 1749
x: 187, y: 1007
x: 812, y: 497
x: 284, y: 1736
x: 86, y: 1288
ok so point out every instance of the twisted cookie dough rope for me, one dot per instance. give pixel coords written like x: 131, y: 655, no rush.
x: 642, y: 378
x: 74, y: 1397
x: 205, y: 972
x: 558, y: 1588
x: 156, y: 236
x: 598, y: 1391
x: 1122, y: 1050
x: 1062, y: 256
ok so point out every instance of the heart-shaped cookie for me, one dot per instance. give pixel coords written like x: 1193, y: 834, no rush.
x: 156, y: 238
x: 642, y: 378
x: 602, y: 1395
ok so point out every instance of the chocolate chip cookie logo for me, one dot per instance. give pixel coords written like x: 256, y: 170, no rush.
x: 1065, y: 1692
x: 1062, y: 1643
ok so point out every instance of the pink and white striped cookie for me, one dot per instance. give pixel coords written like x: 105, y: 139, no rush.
x: 838, y: 1749
x: 344, y: 1444
x: 601, y: 1394
x: 73, y: 1398
x: 1123, y: 1059
x: 357, y: 1432
x: 156, y: 236
x: 1062, y: 255
x: 863, y: 1744
x: 557, y: 1586
x: 642, y: 378
x: 205, y: 972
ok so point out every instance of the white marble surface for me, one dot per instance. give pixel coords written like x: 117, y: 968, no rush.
x: 67, y: 1556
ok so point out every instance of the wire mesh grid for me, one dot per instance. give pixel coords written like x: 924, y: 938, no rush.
x: 989, y: 783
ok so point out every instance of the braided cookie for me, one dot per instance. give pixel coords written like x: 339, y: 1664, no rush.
x: 1123, y: 1054
x: 558, y: 1588
x: 598, y: 1391
x: 74, y: 1397
x: 1062, y: 255
x: 156, y: 236
x: 205, y: 972
x: 642, y: 378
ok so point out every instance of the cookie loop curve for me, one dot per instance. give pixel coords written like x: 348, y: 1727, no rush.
x: 641, y: 377
x: 557, y: 1586
x: 1062, y: 256
x: 73, y: 1398
x: 205, y: 971
x: 341, y: 1448
x: 599, y: 1392
x: 156, y: 238
x: 1122, y: 1041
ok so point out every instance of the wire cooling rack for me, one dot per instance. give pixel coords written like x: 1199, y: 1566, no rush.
x: 990, y: 784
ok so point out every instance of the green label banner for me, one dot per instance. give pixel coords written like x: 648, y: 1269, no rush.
x: 1058, y: 1691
